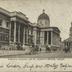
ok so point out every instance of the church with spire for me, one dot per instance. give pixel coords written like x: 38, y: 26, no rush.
x: 15, y: 28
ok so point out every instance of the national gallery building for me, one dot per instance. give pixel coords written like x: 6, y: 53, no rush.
x: 16, y: 28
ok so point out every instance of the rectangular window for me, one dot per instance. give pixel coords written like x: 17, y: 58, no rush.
x: 7, y: 24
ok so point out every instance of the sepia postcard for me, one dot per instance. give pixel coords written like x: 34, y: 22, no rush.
x: 35, y: 35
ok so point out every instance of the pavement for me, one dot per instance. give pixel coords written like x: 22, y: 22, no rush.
x: 58, y: 54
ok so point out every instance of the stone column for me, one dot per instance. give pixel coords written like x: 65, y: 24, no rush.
x: 14, y: 32
x: 47, y: 37
x: 24, y: 36
x: 28, y: 36
x: 19, y: 33
x: 34, y: 35
x: 42, y: 38
x: 10, y: 32
x: 51, y: 38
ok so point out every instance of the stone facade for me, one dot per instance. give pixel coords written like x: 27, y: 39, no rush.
x: 47, y: 35
x: 21, y: 30
x: 67, y: 44
x: 4, y: 28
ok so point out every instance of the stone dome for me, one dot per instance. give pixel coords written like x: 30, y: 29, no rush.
x: 43, y: 16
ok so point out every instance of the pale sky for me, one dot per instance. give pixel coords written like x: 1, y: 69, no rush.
x: 59, y: 11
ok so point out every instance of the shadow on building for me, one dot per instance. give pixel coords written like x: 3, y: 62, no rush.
x: 18, y: 33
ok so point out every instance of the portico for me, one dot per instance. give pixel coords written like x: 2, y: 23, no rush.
x: 19, y: 31
x: 22, y: 31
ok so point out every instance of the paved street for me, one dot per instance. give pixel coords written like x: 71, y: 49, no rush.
x: 41, y: 55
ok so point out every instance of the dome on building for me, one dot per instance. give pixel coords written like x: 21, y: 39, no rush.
x: 43, y: 16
